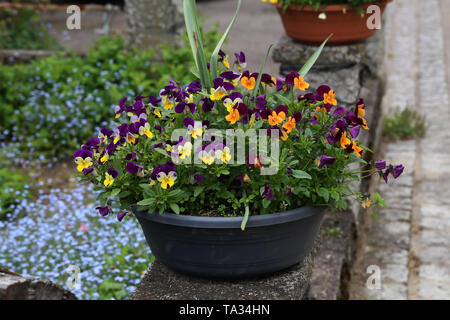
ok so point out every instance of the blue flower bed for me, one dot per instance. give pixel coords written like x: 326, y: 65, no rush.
x: 62, y: 228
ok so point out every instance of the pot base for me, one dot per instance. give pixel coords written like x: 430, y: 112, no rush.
x: 217, y: 247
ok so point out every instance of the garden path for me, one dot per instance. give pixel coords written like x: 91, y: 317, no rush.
x: 411, y: 240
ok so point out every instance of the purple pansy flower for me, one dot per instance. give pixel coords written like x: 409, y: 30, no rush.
x: 268, y: 193
x: 104, y: 211
x: 325, y: 160
x: 133, y: 168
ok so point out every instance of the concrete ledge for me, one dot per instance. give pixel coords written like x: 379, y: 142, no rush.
x: 163, y: 283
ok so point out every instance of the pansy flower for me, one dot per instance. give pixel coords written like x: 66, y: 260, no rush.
x: 87, y: 171
x: 83, y: 159
x: 134, y: 168
x: 254, y: 161
x: 110, y: 176
x: 224, y: 59
x: 167, y: 180
x: 184, y: 106
x: 248, y: 81
x: 104, y: 158
x: 327, y: 95
x: 268, y: 193
x: 194, y: 128
x: 167, y: 103
x: 279, y: 85
x: 325, y: 160
x: 220, y: 89
x: 120, y: 107
x: 131, y: 139
x: 380, y: 164
x: 105, y: 134
x: 241, y: 61
x: 224, y: 155
x: 121, y: 215
x: 296, y: 80
x: 104, y: 211
x: 289, y: 125
x: 207, y: 157
x: 268, y: 80
x: 185, y: 150
x: 145, y: 130
x: 278, y: 115
x: 230, y: 76
x: 194, y: 87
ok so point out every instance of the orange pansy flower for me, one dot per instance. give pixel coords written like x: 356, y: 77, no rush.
x: 289, y: 125
x: 345, y: 142
x: 357, y: 150
x: 276, y: 119
x: 233, y: 116
x: 330, y: 98
x: 300, y: 83
x: 248, y: 83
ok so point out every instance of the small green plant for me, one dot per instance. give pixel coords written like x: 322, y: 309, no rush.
x: 332, y: 232
x: 13, y: 189
x: 110, y: 289
x: 404, y: 124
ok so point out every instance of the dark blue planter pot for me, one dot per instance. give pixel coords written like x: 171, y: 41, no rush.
x: 217, y: 247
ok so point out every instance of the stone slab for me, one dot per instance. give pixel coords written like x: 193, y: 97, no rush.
x: 163, y: 283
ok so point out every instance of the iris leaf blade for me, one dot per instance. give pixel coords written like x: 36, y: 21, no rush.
x: 312, y: 60
x: 215, y: 55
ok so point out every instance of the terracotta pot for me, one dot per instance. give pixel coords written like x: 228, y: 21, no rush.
x: 304, y: 25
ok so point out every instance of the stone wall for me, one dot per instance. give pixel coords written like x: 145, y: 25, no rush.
x: 153, y: 22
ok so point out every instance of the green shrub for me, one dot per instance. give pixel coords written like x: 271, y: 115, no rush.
x: 13, y: 189
x: 21, y: 29
x: 50, y: 106
x: 404, y: 124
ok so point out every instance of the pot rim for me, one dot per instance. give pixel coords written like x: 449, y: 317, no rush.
x: 329, y: 8
x: 229, y: 222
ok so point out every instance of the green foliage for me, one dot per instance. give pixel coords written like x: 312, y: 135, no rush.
x: 21, y: 29
x: 404, y: 124
x: 13, y: 189
x: 109, y: 289
x: 333, y: 232
x: 52, y: 105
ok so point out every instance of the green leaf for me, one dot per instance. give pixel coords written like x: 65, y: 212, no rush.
x: 145, y: 202
x: 299, y: 174
x: 175, y: 208
x: 324, y: 193
x: 195, y: 40
x: 198, y: 190
x: 215, y: 55
x: 378, y: 199
x: 245, y: 219
x: 282, y: 98
x: 115, y: 192
x: 164, y: 153
x: 258, y: 80
x: 312, y: 60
